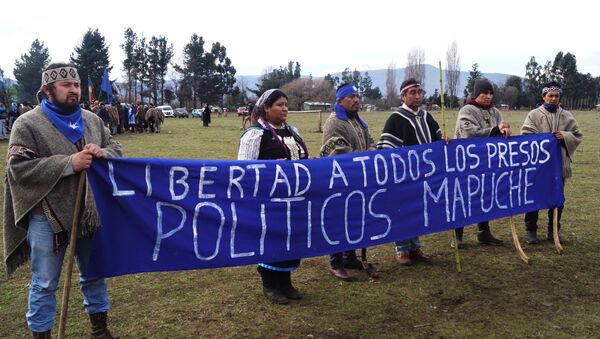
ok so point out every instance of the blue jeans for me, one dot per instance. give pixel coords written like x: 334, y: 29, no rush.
x: 408, y: 245
x: 45, y: 272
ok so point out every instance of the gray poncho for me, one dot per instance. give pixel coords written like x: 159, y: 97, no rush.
x: 344, y: 136
x: 38, y: 176
x: 473, y: 121
x: 541, y: 120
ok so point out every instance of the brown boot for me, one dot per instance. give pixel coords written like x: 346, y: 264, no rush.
x: 418, y: 255
x: 403, y: 258
x: 99, y: 329
x: 41, y: 335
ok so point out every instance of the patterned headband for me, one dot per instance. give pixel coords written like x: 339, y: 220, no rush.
x: 58, y: 74
x: 409, y: 86
x: 551, y: 89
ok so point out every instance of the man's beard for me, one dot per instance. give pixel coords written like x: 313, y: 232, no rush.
x: 66, y: 106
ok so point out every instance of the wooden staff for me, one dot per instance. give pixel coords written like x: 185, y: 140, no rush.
x: 513, y: 230
x: 559, y: 248
x: 71, y: 255
x: 453, y: 232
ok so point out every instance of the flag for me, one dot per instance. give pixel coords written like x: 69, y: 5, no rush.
x: 90, y: 90
x: 106, y: 86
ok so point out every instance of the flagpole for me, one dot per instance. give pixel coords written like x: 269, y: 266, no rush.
x: 453, y: 232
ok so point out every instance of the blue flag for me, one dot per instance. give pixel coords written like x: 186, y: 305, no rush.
x: 106, y: 86
x: 176, y: 214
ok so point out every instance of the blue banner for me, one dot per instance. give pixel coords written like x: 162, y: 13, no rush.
x: 176, y: 214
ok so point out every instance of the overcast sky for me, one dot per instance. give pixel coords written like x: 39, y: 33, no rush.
x: 325, y: 36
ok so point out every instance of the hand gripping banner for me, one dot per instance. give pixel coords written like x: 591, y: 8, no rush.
x: 176, y: 214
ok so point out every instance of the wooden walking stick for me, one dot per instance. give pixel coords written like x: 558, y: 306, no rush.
x: 513, y: 230
x: 71, y: 255
x: 559, y: 248
x: 453, y: 232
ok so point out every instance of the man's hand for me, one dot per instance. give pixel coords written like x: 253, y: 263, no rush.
x: 558, y: 135
x: 95, y: 150
x: 81, y: 161
x: 504, y: 128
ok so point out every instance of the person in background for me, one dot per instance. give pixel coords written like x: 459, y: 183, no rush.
x: 3, y: 120
x: 206, y: 116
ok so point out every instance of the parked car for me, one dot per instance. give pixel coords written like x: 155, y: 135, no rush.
x: 167, y: 111
x: 197, y: 113
x: 181, y: 113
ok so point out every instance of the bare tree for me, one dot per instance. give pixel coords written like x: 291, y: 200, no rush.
x: 452, y: 71
x: 415, y: 66
x: 391, y: 99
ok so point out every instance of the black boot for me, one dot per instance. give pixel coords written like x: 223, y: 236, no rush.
x: 41, y: 335
x: 485, y: 237
x: 531, y: 228
x: 271, y: 288
x: 532, y: 238
x: 285, y: 282
x: 99, y: 328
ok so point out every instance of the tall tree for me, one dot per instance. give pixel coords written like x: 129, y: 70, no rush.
x: 224, y: 71
x: 533, y: 73
x: 129, y: 62
x: 452, y: 71
x: 165, y: 55
x: 277, y: 77
x: 366, y: 84
x: 474, y: 74
x: 392, y: 98
x: 28, y: 71
x: 153, y: 56
x: 415, y: 66
x: 141, y: 65
x: 334, y: 81
x: 91, y: 58
x: 193, y: 67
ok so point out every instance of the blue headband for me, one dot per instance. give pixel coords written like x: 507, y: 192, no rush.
x: 345, y: 91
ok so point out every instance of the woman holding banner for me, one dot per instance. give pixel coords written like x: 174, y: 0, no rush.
x: 272, y: 138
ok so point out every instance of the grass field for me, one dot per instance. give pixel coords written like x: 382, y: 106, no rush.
x: 496, y: 295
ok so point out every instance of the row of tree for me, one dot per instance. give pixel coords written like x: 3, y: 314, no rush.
x: 204, y: 75
x: 208, y: 76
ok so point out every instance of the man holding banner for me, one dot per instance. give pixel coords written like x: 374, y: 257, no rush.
x: 479, y: 118
x: 551, y: 117
x: 49, y: 149
x: 345, y: 132
x: 410, y: 125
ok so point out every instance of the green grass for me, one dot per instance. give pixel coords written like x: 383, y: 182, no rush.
x: 496, y: 295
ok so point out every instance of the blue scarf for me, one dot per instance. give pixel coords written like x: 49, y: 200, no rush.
x: 71, y: 125
x: 341, y: 113
x: 550, y: 108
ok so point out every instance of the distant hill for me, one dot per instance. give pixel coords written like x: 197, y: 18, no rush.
x: 432, y: 79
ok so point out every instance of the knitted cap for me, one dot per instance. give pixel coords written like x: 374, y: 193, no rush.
x: 481, y: 85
